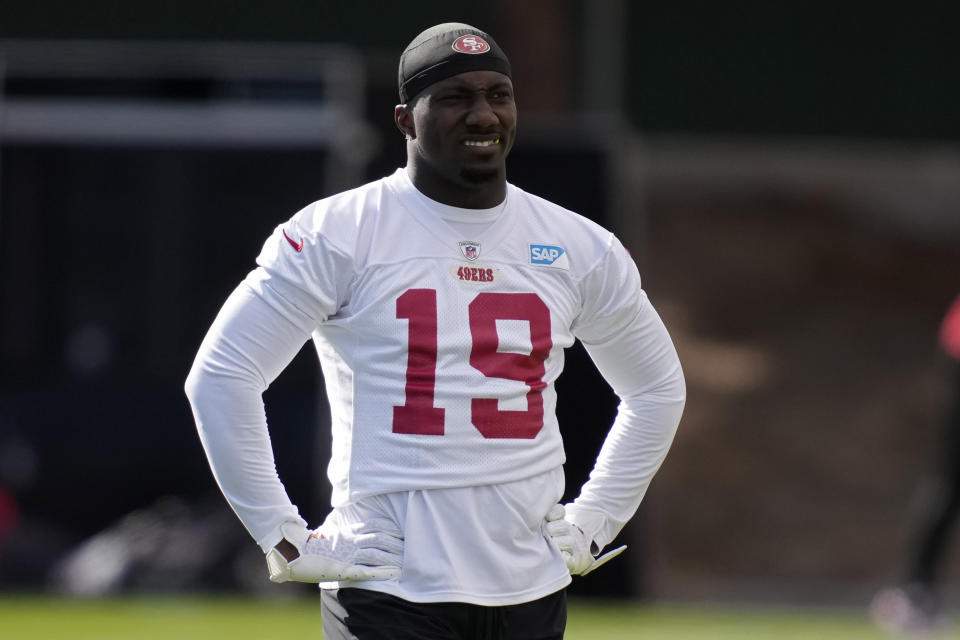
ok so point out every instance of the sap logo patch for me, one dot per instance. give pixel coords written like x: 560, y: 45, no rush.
x: 548, y: 256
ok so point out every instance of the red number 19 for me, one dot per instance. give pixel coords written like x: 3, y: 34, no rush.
x: 419, y: 416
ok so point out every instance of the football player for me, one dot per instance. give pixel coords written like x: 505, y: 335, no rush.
x: 440, y: 300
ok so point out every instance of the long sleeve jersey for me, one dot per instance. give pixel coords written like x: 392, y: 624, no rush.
x: 440, y: 332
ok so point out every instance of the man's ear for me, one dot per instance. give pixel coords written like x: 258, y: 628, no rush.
x: 403, y: 117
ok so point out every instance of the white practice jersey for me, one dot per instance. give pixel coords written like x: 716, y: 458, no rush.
x: 440, y: 350
x: 441, y: 332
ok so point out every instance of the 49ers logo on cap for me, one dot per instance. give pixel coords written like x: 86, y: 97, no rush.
x: 471, y: 44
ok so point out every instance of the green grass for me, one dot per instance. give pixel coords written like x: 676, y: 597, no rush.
x: 189, y: 618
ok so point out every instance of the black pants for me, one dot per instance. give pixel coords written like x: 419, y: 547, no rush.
x: 360, y: 614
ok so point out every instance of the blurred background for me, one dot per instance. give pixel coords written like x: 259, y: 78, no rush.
x: 787, y: 176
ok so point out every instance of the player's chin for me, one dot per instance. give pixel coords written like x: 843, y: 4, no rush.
x: 493, y: 163
x: 479, y: 175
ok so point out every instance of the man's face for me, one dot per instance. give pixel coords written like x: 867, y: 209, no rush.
x: 463, y: 127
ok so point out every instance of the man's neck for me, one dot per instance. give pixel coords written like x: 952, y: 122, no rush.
x: 476, y: 193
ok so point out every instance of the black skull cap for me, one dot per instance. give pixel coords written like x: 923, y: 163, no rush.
x: 446, y: 50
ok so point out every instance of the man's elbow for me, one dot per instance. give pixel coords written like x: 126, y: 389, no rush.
x: 681, y: 385
x: 210, y: 380
x: 203, y: 381
x: 194, y: 384
x: 673, y: 393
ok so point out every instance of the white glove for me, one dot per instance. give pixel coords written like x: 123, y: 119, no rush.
x: 369, y: 551
x: 573, y: 543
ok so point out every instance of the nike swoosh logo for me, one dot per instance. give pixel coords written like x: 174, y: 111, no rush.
x: 296, y: 245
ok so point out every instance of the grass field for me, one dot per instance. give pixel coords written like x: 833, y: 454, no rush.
x: 189, y: 618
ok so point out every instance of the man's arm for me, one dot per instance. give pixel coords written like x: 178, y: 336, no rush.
x: 627, y: 341
x: 248, y: 345
x: 641, y: 365
x: 255, y: 336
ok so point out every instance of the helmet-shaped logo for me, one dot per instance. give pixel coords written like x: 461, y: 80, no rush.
x: 470, y: 249
x: 471, y: 44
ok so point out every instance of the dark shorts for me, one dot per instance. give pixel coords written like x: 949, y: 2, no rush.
x: 361, y: 614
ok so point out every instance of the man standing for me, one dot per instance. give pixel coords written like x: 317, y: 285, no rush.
x: 914, y: 607
x: 440, y: 300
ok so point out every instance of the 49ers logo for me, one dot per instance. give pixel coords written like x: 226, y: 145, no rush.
x: 471, y: 44
x: 474, y: 274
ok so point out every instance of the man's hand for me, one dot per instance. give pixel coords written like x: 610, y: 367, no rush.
x: 369, y: 551
x: 573, y: 543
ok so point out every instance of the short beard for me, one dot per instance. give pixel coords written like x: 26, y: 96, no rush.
x: 478, y: 176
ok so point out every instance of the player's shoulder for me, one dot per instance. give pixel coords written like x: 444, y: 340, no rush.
x: 344, y: 209
x: 544, y: 212
x: 558, y: 226
x: 340, y: 218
